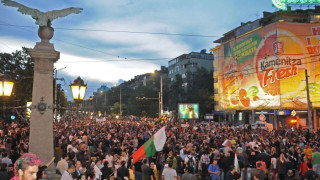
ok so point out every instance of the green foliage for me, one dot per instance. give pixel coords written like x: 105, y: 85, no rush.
x: 62, y: 100
x: 19, y: 66
x: 197, y: 87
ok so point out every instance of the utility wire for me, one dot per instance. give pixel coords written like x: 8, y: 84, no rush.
x: 84, y: 47
x: 142, y: 32
x: 119, y: 31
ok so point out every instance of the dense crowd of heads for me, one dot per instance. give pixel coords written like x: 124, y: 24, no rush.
x: 88, y: 149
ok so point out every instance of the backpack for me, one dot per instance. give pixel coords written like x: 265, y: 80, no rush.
x: 170, y: 159
x: 190, y: 162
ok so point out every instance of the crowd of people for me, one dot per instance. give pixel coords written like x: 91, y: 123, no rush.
x: 86, y: 149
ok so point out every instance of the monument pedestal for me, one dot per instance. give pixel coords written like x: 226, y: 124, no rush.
x: 41, y: 123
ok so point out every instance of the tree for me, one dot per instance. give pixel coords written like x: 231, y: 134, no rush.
x: 62, y: 101
x: 19, y: 66
x: 197, y: 87
x: 176, y: 92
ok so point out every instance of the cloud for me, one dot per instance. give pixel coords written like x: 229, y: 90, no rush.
x: 10, y: 44
x: 99, y: 70
x: 126, y: 44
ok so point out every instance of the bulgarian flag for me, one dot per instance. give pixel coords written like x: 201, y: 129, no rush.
x: 226, y: 143
x: 152, y: 125
x: 236, y: 163
x: 148, y: 149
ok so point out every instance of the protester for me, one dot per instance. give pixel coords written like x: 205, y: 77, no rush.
x: 80, y: 139
x: 3, y: 171
x: 106, y: 171
x: 188, y: 174
x: 214, y: 170
x: 62, y: 165
x: 123, y: 172
x: 310, y: 174
x: 169, y: 173
x: 26, y: 167
x: 67, y: 175
x: 316, y: 160
x: 145, y: 170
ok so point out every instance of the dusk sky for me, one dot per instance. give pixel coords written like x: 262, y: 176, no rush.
x: 119, y: 39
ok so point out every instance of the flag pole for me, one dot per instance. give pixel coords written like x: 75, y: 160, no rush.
x: 131, y: 157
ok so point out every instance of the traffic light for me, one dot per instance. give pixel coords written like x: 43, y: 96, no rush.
x: 293, y: 121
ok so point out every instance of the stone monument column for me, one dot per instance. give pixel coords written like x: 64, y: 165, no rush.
x: 41, y: 123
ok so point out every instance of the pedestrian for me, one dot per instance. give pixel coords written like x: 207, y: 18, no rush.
x: 3, y: 171
x: 67, y: 175
x: 226, y: 164
x: 123, y: 172
x: 97, y: 171
x: 214, y: 170
x: 204, y: 161
x: 77, y: 173
x: 230, y: 175
x: 62, y: 165
x: 259, y: 171
x: 310, y: 174
x: 188, y: 174
x: 316, y: 160
x: 145, y: 169
x: 26, y: 167
x: 106, y: 171
x: 6, y: 159
x: 281, y: 166
x: 303, y: 166
x: 137, y: 170
x: 42, y: 175
x: 169, y: 173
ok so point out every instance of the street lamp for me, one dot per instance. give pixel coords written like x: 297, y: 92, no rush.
x: 78, y: 89
x: 6, y: 85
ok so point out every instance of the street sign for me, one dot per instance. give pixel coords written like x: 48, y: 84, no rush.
x: 262, y: 117
x: 293, y: 113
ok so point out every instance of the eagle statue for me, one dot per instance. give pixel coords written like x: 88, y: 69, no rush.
x: 42, y: 18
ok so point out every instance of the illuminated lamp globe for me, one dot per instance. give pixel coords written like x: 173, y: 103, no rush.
x: 78, y: 89
x: 6, y: 85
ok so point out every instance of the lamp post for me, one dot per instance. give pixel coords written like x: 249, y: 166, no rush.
x: 6, y: 86
x: 56, y: 91
x: 147, y: 98
x: 78, y: 89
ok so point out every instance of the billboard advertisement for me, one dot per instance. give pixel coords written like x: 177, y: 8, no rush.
x: 266, y: 69
x: 188, y: 111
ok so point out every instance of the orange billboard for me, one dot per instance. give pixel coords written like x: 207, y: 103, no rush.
x: 266, y: 69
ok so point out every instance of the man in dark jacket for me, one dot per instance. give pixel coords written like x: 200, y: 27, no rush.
x: 145, y: 169
x: 3, y: 171
x: 106, y: 171
x: 123, y: 171
x: 227, y: 161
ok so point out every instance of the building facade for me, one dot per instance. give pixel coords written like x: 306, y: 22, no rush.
x: 141, y: 80
x: 189, y: 62
x: 262, y: 65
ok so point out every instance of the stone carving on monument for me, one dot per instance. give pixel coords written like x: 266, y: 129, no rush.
x: 42, y: 18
